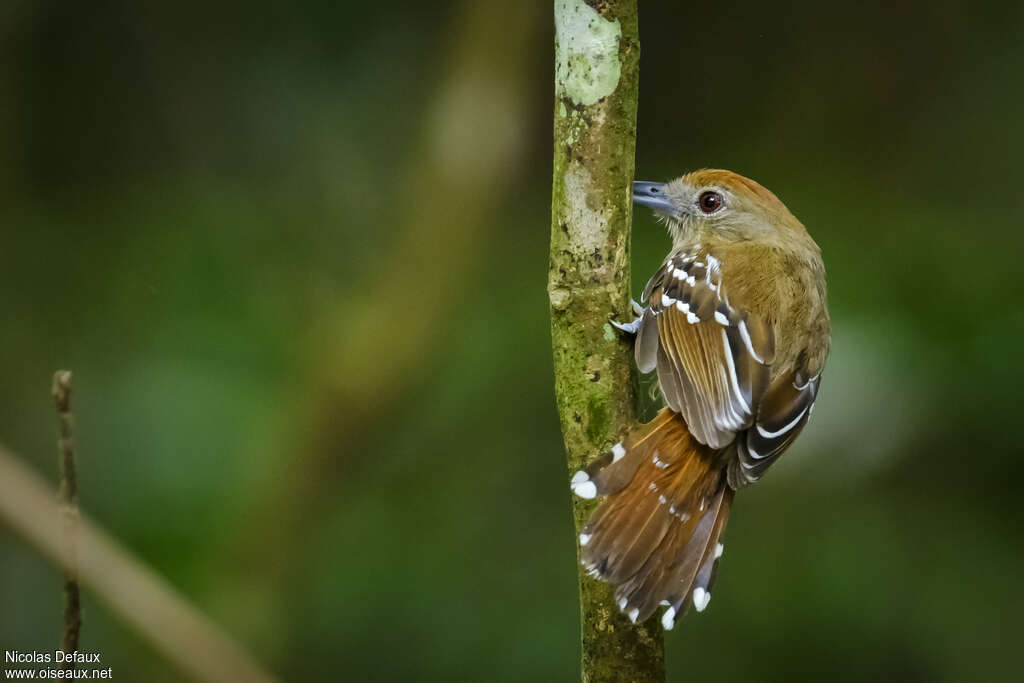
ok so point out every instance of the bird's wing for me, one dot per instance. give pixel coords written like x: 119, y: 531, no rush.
x: 781, y: 415
x: 713, y: 358
x: 714, y: 362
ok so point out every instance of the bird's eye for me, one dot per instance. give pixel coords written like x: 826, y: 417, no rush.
x: 709, y: 202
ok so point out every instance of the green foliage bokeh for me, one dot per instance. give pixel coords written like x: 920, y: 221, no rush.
x: 187, y: 191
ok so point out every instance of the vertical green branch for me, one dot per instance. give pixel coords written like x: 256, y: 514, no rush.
x: 597, y: 51
x: 69, y: 513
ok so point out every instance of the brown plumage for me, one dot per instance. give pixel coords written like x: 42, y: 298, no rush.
x: 737, y: 328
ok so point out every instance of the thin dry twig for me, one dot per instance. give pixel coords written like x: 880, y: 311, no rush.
x: 69, y: 513
x: 129, y: 588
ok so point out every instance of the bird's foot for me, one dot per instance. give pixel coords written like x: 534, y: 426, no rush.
x: 632, y: 327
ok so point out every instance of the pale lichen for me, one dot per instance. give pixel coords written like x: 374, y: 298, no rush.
x: 587, y: 65
x: 560, y: 298
x: 582, y: 211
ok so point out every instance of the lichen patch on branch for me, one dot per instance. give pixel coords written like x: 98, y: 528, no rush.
x: 583, y: 211
x: 587, y: 65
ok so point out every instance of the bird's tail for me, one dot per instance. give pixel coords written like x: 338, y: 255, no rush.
x: 656, y: 535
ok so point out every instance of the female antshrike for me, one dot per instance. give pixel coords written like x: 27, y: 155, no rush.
x: 737, y: 327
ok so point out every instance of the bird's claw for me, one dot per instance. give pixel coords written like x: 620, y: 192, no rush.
x: 633, y: 327
x: 630, y: 328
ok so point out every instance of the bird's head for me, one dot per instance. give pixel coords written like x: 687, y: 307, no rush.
x: 713, y: 203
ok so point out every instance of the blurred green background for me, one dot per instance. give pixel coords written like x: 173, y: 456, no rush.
x: 296, y: 256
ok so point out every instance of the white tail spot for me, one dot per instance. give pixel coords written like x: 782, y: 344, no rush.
x: 617, y: 452
x: 580, y: 476
x: 701, y: 598
x: 585, y: 489
x: 633, y: 614
x: 719, y: 549
x: 668, y: 619
x: 584, y: 539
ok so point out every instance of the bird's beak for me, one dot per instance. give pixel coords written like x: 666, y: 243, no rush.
x: 652, y: 195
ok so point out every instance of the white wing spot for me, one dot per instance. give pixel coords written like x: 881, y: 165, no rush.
x: 771, y: 435
x: 633, y: 614
x: 733, y: 377
x: 801, y: 387
x: 579, y: 477
x: 584, y: 539
x: 746, y: 340
x: 720, y: 317
x: 668, y: 619
x: 692, y: 318
x: 666, y: 300
x: 755, y: 455
x: 719, y: 549
x: 683, y: 306
x: 617, y: 452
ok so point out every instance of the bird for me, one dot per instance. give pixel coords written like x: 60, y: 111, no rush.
x: 735, y: 322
